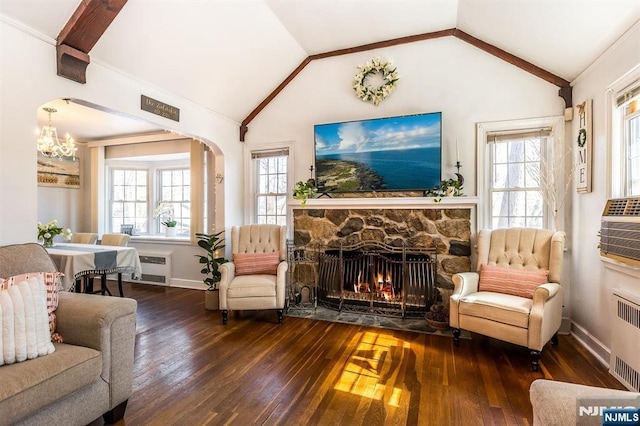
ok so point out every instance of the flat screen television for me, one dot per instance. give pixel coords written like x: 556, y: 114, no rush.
x: 383, y: 154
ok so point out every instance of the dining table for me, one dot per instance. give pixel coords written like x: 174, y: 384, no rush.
x: 76, y: 261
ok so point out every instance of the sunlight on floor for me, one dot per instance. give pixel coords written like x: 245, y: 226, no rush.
x: 371, y: 361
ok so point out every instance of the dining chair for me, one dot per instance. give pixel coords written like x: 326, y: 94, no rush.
x: 84, y: 238
x: 119, y: 240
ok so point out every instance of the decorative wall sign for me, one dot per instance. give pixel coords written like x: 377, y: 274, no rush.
x: 583, y: 147
x: 159, y: 108
x: 62, y: 172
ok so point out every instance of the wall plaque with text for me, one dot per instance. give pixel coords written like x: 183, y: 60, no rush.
x: 159, y: 108
x: 584, y: 150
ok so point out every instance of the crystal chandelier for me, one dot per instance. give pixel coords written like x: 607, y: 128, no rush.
x: 50, y: 146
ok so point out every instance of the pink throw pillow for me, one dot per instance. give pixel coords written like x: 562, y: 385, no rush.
x: 51, y: 283
x: 256, y: 263
x: 511, y: 281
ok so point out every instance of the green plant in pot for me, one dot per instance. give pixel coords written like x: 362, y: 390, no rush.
x: 447, y: 188
x: 211, y: 262
x: 305, y: 190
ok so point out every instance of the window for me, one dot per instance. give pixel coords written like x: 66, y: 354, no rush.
x: 271, y: 169
x: 129, y: 199
x: 175, y: 189
x: 629, y: 113
x: 137, y: 188
x: 515, y: 193
x: 527, y: 173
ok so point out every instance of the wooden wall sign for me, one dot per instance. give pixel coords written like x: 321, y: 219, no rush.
x: 583, y: 147
x: 159, y: 108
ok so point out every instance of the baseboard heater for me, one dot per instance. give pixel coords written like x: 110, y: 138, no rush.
x: 624, y: 363
x: 620, y: 230
x: 156, y: 268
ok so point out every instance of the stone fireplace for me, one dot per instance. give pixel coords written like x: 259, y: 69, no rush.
x: 443, y: 230
x: 376, y: 278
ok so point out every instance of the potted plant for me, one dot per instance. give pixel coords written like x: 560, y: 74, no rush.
x: 211, y: 262
x: 447, y: 188
x: 165, y: 210
x: 305, y: 190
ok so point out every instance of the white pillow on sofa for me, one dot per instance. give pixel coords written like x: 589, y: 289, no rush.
x: 24, y: 322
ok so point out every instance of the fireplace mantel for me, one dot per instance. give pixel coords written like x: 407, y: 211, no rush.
x: 387, y: 203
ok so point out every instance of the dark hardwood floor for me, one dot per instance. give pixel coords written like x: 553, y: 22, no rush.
x: 192, y: 370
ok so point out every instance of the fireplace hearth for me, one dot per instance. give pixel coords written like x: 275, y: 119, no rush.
x: 373, y: 277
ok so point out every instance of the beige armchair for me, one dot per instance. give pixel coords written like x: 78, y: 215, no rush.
x: 522, y: 320
x: 84, y: 238
x: 255, y: 278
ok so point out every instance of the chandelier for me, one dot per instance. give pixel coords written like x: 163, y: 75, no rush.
x: 50, y: 146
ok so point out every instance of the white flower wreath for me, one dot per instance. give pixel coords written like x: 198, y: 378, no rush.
x: 375, y: 94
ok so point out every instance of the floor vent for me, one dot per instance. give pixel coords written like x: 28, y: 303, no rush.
x: 156, y: 268
x: 625, y: 363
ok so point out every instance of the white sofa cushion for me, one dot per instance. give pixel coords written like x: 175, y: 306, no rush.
x: 24, y: 333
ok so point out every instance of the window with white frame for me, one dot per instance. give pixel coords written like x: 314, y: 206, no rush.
x: 136, y: 193
x: 129, y: 200
x: 175, y: 190
x: 628, y: 108
x: 514, y: 187
x: 526, y: 175
x: 271, y: 170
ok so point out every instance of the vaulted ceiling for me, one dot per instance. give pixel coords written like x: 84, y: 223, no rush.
x: 230, y: 55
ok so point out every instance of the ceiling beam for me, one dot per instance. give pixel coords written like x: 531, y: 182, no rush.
x: 81, y: 33
x: 564, y: 92
x: 564, y: 85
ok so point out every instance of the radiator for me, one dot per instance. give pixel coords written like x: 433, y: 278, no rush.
x: 156, y: 268
x: 620, y: 230
x: 624, y: 363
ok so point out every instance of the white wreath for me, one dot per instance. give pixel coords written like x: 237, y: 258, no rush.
x: 375, y: 94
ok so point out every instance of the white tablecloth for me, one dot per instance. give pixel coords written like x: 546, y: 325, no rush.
x: 77, y: 260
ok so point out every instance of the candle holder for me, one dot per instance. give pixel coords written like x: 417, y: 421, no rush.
x: 460, y: 177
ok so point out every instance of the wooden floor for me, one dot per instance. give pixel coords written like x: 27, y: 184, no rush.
x: 192, y: 370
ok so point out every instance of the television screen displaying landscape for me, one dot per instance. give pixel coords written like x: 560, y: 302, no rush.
x: 384, y: 154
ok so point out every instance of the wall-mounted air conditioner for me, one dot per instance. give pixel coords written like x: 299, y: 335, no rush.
x: 620, y: 230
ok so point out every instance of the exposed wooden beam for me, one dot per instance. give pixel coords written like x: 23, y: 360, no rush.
x: 564, y: 85
x: 347, y: 51
x: 272, y: 95
x: 83, y: 30
x: 385, y: 43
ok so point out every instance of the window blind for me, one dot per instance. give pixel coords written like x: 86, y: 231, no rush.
x: 270, y: 153
x: 628, y: 94
x: 147, y: 148
x: 510, y: 135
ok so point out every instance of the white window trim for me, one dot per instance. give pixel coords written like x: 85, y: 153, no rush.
x: 615, y: 183
x: 251, y: 183
x: 153, y: 196
x: 483, y: 160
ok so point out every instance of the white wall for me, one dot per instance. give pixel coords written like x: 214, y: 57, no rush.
x: 448, y: 75
x: 466, y: 84
x: 28, y: 78
x: 593, y: 282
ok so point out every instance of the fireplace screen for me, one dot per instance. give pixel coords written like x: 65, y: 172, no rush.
x: 377, y: 278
